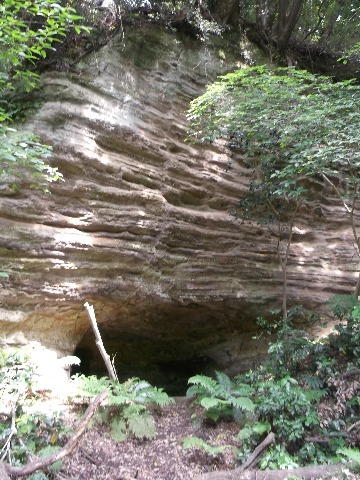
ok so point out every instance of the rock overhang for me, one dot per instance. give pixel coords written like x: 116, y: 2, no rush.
x: 141, y: 226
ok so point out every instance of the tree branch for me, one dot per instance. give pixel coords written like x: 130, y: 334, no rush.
x: 40, y: 463
x: 99, y: 342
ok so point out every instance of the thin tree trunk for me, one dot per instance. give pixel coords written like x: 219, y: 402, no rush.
x: 350, y: 211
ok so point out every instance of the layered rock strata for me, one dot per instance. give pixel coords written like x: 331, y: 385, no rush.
x: 141, y: 226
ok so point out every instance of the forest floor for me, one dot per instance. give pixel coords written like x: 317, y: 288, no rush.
x: 100, y: 457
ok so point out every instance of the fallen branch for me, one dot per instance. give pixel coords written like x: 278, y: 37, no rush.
x: 306, y: 473
x: 257, y: 452
x: 353, y: 426
x: 245, y: 473
x: 351, y: 373
x: 249, y: 462
x: 99, y: 342
x: 41, y: 463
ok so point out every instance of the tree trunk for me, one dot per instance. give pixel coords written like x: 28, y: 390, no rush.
x: 226, y: 12
x: 286, y: 24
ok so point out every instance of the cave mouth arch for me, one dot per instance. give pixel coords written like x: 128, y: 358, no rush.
x: 167, y: 343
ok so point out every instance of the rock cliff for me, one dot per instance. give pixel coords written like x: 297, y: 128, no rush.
x: 141, y: 227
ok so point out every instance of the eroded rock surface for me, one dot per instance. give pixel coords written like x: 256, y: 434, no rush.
x: 141, y: 227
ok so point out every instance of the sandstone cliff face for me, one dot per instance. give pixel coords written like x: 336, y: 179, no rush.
x: 140, y: 228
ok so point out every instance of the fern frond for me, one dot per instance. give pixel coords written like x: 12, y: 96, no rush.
x: 142, y: 426
x: 161, y: 398
x: 243, y: 403
x: 312, y: 381
x: 93, y: 385
x: 242, y: 390
x: 224, y: 383
x: 119, y: 400
x: 196, y: 442
x: 154, y: 395
x: 194, y: 391
x: 209, y: 402
x: 352, y: 454
x: 133, y: 410
x: 118, y: 429
x: 207, y: 383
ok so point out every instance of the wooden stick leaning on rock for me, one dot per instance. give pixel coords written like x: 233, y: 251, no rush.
x: 99, y: 342
x: 40, y: 463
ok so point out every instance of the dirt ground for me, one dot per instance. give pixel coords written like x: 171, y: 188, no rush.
x: 99, y: 457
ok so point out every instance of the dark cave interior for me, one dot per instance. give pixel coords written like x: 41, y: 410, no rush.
x: 170, y: 374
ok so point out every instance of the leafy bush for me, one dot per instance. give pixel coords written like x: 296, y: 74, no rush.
x: 221, y: 396
x: 288, y: 409
x: 127, y: 411
x: 284, y: 394
x: 347, y: 340
x: 29, y: 31
x: 292, y: 347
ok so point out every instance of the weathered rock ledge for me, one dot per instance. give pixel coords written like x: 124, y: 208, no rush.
x: 140, y: 228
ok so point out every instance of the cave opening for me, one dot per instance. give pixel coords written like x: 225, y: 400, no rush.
x: 166, y: 344
x: 170, y: 374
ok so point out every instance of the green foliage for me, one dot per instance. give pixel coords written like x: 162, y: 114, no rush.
x: 347, y: 341
x: 127, y: 411
x: 292, y: 346
x: 50, y: 450
x: 196, y: 442
x: 29, y: 30
x: 278, y: 458
x: 295, y: 128
x: 286, y: 392
x: 23, y: 431
x: 298, y: 123
x: 288, y: 409
x: 219, y: 397
x: 22, y: 154
x: 352, y: 454
x: 38, y: 476
x: 16, y: 374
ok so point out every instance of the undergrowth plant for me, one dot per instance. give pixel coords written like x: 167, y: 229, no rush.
x: 220, y: 396
x: 22, y: 431
x: 129, y: 405
x: 307, y: 389
x: 193, y: 442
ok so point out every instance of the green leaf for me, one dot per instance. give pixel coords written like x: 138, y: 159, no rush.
x: 244, y: 403
x: 142, y: 426
x: 118, y: 429
x: 209, y: 402
x: 352, y: 454
x: 196, y: 442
